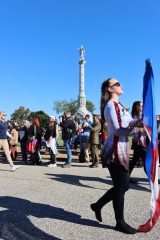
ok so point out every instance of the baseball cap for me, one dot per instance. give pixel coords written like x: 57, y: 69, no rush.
x: 53, y: 117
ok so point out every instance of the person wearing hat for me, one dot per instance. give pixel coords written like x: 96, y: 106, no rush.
x: 95, y: 129
x: 50, y: 137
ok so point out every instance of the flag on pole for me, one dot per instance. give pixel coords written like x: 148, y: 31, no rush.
x: 152, y: 158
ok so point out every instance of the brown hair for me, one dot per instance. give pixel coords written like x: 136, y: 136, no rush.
x: 136, y: 108
x: 105, y: 96
x: 52, y: 124
x: 35, y: 122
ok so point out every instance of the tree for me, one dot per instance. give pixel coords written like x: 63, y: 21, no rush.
x: 42, y: 117
x: 20, y: 114
x: 72, y: 106
x: 90, y: 106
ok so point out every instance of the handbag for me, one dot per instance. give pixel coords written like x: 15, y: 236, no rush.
x: 30, y: 147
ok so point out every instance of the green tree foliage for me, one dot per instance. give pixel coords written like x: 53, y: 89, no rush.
x: 20, y: 114
x: 72, y: 105
x: 42, y: 117
x: 90, y: 106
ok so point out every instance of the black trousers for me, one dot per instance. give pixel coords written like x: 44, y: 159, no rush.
x: 139, y: 152
x: 52, y: 156
x: 35, y: 157
x: 121, y: 181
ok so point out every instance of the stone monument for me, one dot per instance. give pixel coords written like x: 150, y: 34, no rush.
x: 82, y: 110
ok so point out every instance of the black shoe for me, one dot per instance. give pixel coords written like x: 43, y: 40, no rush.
x: 97, y: 212
x: 93, y: 166
x: 125, y: 228
x: 39, y: 163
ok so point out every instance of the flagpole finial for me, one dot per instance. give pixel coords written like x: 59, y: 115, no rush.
x: 148, y: 61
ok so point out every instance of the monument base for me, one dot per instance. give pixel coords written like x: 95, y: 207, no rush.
x: 82, y: 112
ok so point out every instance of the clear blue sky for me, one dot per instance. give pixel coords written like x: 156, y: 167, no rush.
x: 39, y: 42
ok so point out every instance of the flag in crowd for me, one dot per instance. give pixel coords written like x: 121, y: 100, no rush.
x: 152, y: 158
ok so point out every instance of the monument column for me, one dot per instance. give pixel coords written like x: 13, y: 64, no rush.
x: 82, y: 111
x: 81, y: 97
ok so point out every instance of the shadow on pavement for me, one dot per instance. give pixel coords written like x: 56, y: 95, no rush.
x: 14, y: 221
x: 16, y: 225
x: 75, y: 180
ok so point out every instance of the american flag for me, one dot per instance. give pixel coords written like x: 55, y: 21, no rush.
x: 152, y: 158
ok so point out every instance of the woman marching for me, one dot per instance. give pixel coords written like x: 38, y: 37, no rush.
x: 115, y: 153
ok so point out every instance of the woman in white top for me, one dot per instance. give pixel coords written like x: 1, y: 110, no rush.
x: 115, y: 153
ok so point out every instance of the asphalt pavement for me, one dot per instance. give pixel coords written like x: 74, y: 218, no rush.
x: 37, y: 203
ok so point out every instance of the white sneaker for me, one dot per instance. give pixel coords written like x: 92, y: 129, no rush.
x: 52, y: 165
x: 14, y: 168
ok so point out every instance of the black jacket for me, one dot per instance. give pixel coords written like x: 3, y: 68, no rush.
x: 50, y: 132
x: 36, y: 132
x: 68, y: 129
x: 23, y: 134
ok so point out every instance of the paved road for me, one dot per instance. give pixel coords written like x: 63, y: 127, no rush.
x: 37, y: 202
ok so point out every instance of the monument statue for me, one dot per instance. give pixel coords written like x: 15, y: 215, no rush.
x: 82, y: 51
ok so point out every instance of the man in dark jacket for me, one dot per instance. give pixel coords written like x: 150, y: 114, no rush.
x: 94, y: 140
x: 68, y: 130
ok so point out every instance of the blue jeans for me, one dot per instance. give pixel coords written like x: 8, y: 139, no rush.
x: 67, y: 144
x: 83, y: 138
x: 76, y: 142
x: 23, y: 151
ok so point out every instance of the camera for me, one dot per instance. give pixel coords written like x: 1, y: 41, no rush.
x: 62, y: 117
